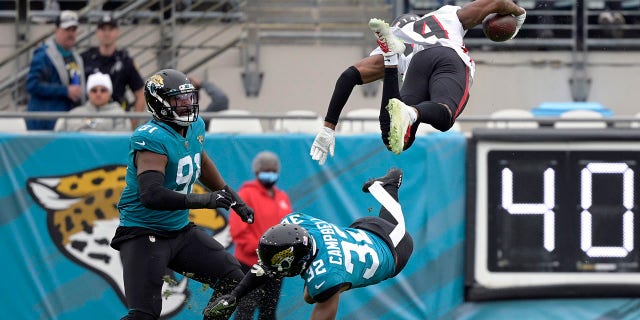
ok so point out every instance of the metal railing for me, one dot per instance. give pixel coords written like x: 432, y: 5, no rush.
x: 470, y: 122
x: 168, y: 19
x: 560, y: 25
x: 572, y: 25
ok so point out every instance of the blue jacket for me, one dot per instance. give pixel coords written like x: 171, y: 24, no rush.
x: 47, y: 83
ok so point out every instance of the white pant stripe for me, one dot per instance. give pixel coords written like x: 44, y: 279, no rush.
x: 378, y: 192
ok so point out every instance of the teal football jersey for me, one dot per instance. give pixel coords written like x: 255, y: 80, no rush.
x: 344, y: 255
x: 182, y: 171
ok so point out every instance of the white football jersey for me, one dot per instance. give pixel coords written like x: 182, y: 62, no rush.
x: 438, y: 28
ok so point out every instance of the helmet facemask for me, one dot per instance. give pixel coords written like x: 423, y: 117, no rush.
x: 173, y: 102
x: 183, y: 107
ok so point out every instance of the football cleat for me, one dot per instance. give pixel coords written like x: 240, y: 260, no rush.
x: 388, y: 43
x: 393, y: 177
x: 400, y: 130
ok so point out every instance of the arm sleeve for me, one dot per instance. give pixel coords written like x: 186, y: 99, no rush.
x: 154, y: 195
x: 344, y: 86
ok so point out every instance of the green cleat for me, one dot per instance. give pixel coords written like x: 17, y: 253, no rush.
x: 400, y: 125
x: 389, y: 43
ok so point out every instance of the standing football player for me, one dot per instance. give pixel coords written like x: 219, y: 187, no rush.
x: 307, y: 246
x: 166, y: 157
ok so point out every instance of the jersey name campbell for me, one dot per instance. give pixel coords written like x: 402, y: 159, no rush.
x: 344, y: 256
x: 182, y: 171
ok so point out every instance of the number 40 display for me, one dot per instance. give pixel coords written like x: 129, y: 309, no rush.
x: 547, y: 207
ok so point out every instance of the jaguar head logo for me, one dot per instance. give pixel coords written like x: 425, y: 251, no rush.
x: 82, y: 218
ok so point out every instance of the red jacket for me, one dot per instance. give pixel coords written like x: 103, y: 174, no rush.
x: 268, y: 211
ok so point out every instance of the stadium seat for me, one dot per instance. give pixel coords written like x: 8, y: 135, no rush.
x: 237, y: 125
x: 460, y: 3
x: 590, y: 116
x: 424, y: 4
x: 630, y: 5
x: 361, y: 126
x: 293, y: 125
x: 13, y: 125
x: 512, y: 114
x: 527, y: 4
x: 635, y: 124
x: 596, y: 5
x: 563, y: 4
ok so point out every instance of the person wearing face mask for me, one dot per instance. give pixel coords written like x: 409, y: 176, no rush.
x: 270, y: 205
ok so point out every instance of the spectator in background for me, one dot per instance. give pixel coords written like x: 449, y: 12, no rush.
x: 270, y: 205
x: 108, y: 59
x: 56, y: 79
x: 219, y: 99
x: 99, y: 89
x: 612, y: 20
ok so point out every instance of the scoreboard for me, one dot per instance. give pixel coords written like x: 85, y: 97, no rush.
x: 552, y: 213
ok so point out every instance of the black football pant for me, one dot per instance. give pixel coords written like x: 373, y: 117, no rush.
x: 383, y: 225
x: 435, y: 77
x: 193, y: 253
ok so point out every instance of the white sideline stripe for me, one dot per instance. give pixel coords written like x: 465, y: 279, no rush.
x: 378, y: 192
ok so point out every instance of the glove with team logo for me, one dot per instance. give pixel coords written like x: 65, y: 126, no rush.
x: 242, y: 209
x: 519, y: 22
x: 324, y: 143
x: 211, y: 200
x: 222, y: 306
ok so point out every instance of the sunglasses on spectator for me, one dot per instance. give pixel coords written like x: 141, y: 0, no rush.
x: 94, y: 90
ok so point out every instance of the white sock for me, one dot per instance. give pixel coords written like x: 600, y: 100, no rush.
x: 391, y: 60
x: 413, y: 115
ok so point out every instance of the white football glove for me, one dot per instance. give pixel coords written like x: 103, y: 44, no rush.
x: 324, y: 143
x: 519, y: 23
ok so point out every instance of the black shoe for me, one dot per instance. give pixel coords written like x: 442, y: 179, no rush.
x: 393, y: 177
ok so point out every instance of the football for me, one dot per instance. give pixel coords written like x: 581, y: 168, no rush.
x: 499, y: 28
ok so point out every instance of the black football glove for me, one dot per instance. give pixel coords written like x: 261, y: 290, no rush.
x: 211, y: 200
x: 244, y: 211
x: 224, y: 305
x: 241, y: 208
